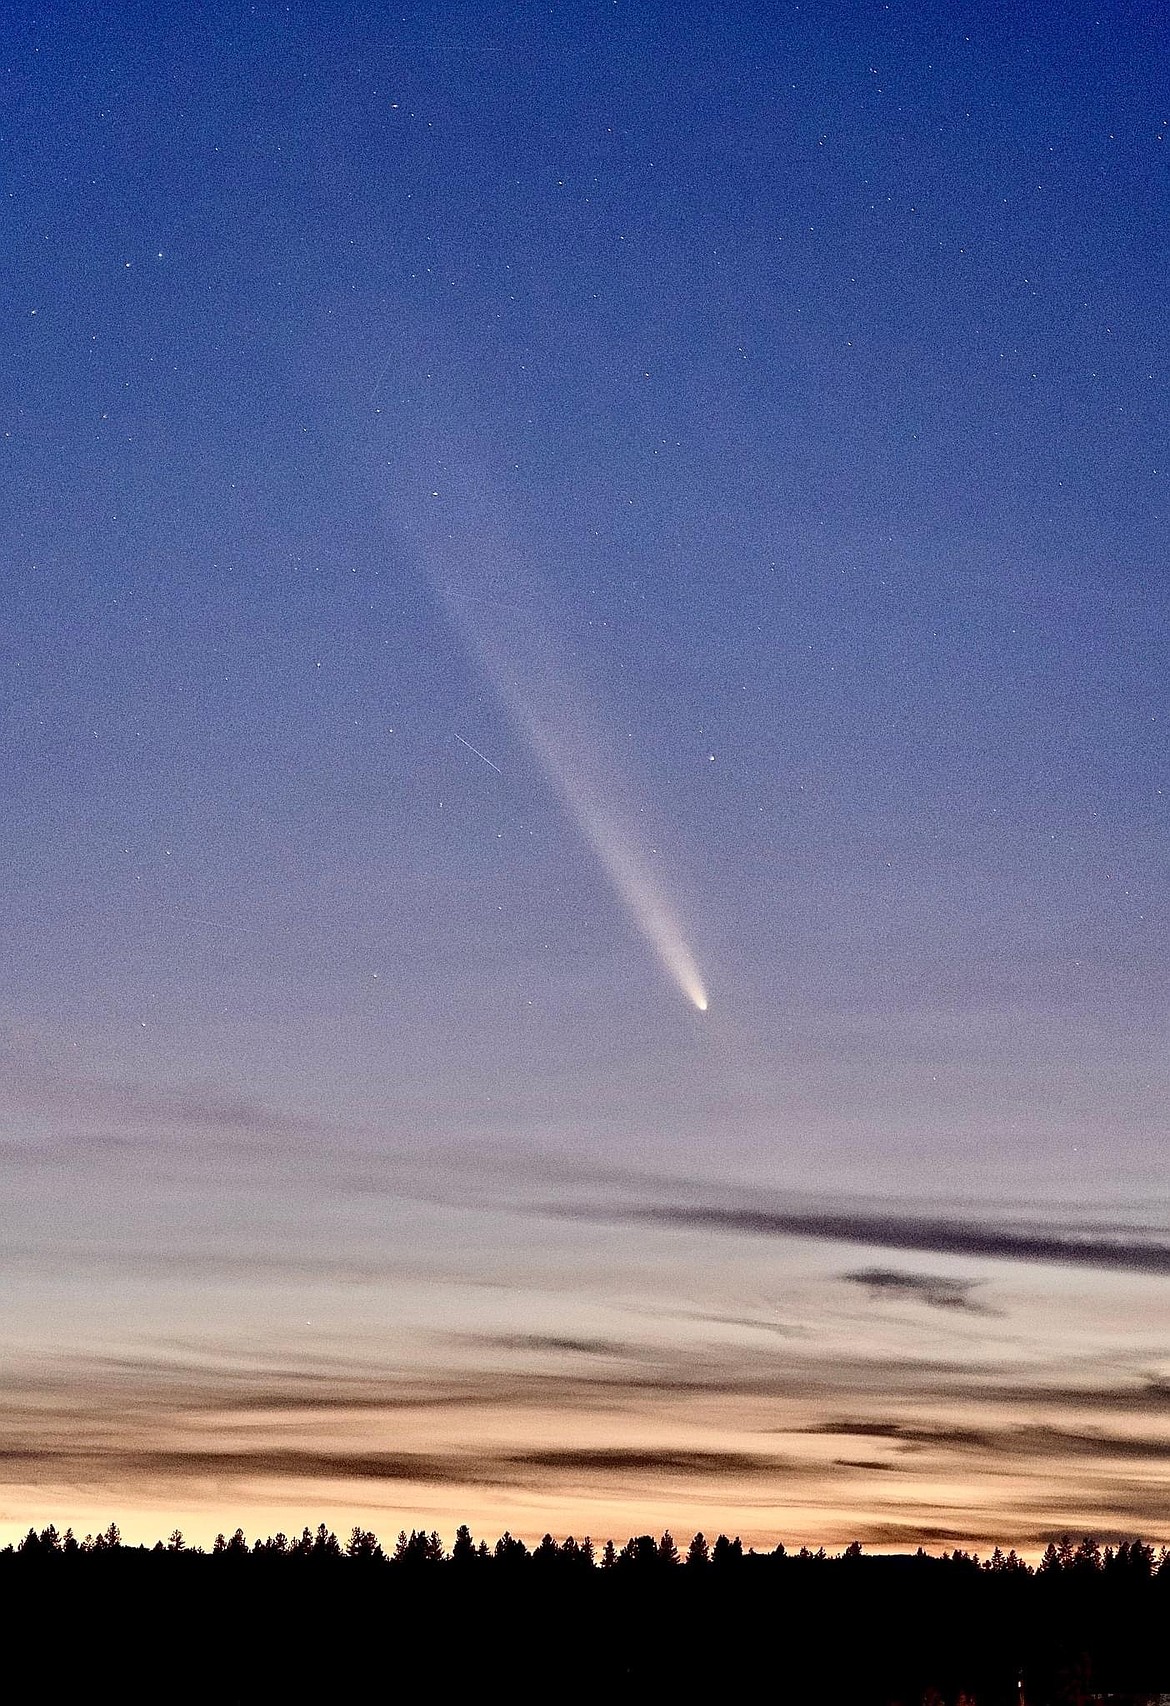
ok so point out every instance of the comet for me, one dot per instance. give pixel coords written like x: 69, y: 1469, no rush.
x: 628, y: 875
x: 518, y: 650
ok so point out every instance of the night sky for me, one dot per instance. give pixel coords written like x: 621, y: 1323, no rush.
x: 583, y: 627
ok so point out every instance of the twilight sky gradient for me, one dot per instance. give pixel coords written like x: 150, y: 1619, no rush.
x: 515, y: 518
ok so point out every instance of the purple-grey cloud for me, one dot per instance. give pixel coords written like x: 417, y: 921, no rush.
x: 1127, y: 1250
x: 936, y: 1291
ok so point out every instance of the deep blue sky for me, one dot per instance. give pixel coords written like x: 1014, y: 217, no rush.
x: 781, y: 392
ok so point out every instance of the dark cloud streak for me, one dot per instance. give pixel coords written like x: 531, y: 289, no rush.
x: 105, y: 1461
x: 1033, y: 1441
x: 1133, y: 1251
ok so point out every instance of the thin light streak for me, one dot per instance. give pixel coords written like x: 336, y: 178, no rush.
x: 478, y: 753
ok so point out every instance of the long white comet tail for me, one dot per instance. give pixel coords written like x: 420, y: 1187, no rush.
x: 649, y: 911
x: 627, y: 873
x: 630, y: 880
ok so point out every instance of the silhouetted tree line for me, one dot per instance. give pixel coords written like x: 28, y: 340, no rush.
x: 1131, y: 1560
x: 281, y: 1617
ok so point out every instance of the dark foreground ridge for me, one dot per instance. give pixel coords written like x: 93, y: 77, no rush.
x: 294, y: 1620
